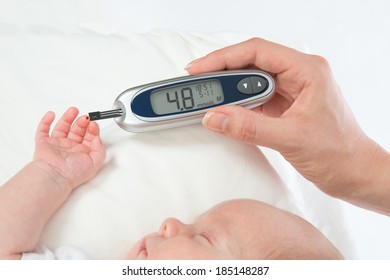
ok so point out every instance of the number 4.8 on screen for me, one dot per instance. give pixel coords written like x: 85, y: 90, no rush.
x: 184, y: 101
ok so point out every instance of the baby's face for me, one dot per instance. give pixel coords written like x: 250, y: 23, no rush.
x: 209, y: 237
x: 237, y: 229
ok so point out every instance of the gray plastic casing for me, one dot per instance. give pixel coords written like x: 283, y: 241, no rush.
x: 134, y: 123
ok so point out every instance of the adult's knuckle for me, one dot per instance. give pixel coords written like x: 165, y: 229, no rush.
x: 247, y: 131
x: 320, y: 61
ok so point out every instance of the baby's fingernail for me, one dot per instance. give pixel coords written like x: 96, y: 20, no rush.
x: 215, y: 121
x: 189, y: 65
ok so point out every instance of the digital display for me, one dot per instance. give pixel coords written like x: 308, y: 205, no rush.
x: 187, y: 97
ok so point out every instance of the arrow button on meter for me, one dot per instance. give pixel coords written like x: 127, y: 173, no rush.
x: 259, y: 84
x: 245, y: 86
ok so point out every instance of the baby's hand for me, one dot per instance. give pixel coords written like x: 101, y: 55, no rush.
x: 73, y: 150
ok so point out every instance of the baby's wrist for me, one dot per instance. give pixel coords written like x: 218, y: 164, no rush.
x: 52, y: 175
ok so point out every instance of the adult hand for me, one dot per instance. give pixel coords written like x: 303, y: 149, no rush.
x: 307, y: 120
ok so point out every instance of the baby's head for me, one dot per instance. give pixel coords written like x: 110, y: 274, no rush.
x: 237, y: 229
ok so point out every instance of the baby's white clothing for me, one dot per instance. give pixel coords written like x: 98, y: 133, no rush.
x: 61, y: 253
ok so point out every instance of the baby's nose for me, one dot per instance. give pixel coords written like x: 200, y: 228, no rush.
x: 172, y: 227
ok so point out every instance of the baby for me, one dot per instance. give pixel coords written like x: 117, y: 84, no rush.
x: 237, y: 229
x: 73, y: 153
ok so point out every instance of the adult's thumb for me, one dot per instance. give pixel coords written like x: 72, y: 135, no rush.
x: 247, y: 126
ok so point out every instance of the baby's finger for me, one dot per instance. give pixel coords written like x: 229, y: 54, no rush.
x: 78, y: 129
x: 62, y: 127
x: 97, y: 153
x: 43, y: 128
x: 93, y: 131
x: 93, y: 140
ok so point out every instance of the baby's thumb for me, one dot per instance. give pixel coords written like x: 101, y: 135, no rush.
x: 246, y: 126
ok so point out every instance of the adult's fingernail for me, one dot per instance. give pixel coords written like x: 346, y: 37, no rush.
x: 215, y: 121
x: 189, y: 65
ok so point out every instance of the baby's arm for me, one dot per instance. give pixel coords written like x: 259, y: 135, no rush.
x: 70, y: 156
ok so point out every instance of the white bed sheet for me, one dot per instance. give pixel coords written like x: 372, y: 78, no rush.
x: 52, y: 59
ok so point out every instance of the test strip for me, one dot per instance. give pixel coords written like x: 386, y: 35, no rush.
x: 100, y: 115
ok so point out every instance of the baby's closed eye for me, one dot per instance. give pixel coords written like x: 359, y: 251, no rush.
x: 207, y: 237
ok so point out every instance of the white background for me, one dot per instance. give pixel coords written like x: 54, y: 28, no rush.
x: 353, y: 35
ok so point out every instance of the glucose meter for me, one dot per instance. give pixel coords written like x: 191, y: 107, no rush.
x: 185, y: 100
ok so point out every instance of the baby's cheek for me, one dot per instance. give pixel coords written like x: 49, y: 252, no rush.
x: 185, y: 251
x: 171, y: 249
x: 132, y: 253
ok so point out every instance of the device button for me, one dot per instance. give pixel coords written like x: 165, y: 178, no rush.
x: 259, y: 84
x: 245, y: 86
